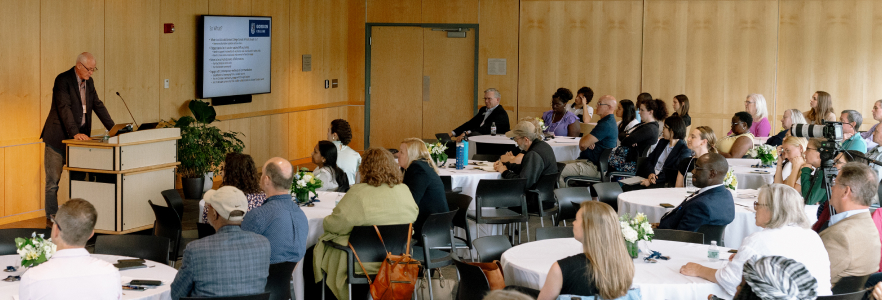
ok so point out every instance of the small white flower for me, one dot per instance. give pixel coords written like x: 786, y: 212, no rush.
x: 630, y: 234
x: 307, y: 177
x: 647, y: 229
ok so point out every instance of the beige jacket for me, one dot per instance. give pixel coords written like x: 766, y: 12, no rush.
x: 853, y: 246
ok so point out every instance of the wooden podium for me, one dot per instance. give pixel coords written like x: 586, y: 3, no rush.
x: 120, y: 175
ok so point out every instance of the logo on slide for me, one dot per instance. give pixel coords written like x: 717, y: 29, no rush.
x: 259, y: 28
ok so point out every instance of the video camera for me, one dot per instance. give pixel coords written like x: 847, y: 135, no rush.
x: 831, y: 132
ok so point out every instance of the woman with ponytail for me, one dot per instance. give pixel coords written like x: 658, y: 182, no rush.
x: 701, y: 141
x: 324, y: 156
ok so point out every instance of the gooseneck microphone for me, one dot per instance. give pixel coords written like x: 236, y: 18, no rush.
x: 127, y: 108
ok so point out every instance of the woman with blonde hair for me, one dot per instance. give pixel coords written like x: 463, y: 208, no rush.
x: 822, y: 109
x: 756, y: 106
x: 781, y: 213
x: 788, y: 119
x: 604, y: 268
x: 701, y: 141
x: 421, y: 177
x: 790, y: 160
x: 380, y: 199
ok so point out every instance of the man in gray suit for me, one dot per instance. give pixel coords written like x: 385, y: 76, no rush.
x: 231, y: 262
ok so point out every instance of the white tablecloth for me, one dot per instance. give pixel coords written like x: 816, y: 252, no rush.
x: 750, y: 177
x: 647, y: 202
x: 468, y: 179
x: 565, y: 148
x: 528, y: 264
x: 315, y: 215
x: 760, y: 140
x: 155, y: 271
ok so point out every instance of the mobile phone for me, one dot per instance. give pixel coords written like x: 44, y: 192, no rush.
x: 134, y: 260
x: 146, y: 282
x: 733, y: 251
x: 666, y: 205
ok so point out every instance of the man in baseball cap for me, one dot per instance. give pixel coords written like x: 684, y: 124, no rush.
x: 228, y: 263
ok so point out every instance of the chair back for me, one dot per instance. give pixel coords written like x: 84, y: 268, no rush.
x: 859, y: 295
x: 713, y: 233
x: 608, y: 192
x: 437, y: 232
x: 448, y: 183
x: 569, y: 199
x: 369, y: 247
x: 264, y: 296
x: 544, y: 233
x: 147, y: 247
x: 173, y: 200
x: 473, y: 284
x: 604, y: 162
x: 678, y: 236
x: 545, y: 186
x: 486, y: 157
x: 561, y: 166
x: 7, y: 238
x: 501, y: 193
x: 490, y: 248
x: 850, y: 284
x: 167, y: 225
x: 460, y: 203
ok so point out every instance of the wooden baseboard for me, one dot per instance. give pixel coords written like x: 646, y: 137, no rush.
x: 23, y: 216
x: 124, y: 232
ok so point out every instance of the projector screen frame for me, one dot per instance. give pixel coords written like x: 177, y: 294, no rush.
x: 200, y: 56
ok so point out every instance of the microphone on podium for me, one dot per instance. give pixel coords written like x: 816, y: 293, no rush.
x: 127, y: 108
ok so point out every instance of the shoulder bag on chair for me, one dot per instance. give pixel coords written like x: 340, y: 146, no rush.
x: 398, y: 273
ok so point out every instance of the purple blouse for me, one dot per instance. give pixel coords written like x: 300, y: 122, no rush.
x: 254, y: 201
x: 561, y: 128
x: 761, y: 128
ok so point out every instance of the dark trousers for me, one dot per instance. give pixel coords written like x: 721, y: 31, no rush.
x: 278, y: 283
x: 53, y: 162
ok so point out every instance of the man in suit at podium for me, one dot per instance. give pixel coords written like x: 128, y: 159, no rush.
x: 73, y: 100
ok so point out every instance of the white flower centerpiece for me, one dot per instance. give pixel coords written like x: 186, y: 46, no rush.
x: 35, y: 250
x: 437, y: 151
x: 305, y: 183
x: 634, y: 230
x: 765, y: 153
x: 731, y: 182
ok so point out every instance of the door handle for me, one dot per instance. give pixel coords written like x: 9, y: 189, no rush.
x: 426, y: 82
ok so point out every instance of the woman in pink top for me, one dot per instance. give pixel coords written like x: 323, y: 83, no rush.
x: 755, y: 105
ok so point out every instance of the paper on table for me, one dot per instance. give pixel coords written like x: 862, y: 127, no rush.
x: 632, y: 181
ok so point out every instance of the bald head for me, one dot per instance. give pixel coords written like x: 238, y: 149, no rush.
x: 606, y: 106
x: 278, y: 174
x: 710, y: 169
x: 85, y: 65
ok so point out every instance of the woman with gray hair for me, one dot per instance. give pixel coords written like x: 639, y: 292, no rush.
x: 780, y: 210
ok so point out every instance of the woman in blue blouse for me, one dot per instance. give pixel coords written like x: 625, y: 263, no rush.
x: 558, y: 120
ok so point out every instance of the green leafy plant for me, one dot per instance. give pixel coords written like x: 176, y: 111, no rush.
x: 35, y: 250
x: 202, y: 147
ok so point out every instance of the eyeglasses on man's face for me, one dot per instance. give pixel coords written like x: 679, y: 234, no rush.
x: 93, y: 70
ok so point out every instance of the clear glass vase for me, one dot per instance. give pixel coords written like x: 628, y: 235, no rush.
x: 632, y: 249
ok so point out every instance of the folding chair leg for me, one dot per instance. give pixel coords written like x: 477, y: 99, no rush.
x: 350, y: 291
x: 528, y: 231
x: 323, y: 285
x: 429, y: 279
x: 542, y: 221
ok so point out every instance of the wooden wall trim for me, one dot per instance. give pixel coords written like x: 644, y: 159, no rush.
x: 289, y: 110
x: 22, y: 216
x: 19, y: 142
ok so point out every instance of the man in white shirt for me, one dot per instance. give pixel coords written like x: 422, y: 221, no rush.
x: 72, y: 273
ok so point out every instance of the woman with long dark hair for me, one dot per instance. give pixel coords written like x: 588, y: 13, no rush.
x: 324, y: 156
x: 240, y: 172
x: 680, y: 104
x: 628, y: 113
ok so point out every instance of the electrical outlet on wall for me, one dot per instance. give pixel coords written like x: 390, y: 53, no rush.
x: 166, y: 83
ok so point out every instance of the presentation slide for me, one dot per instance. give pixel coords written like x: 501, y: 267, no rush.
x: 236, y: 55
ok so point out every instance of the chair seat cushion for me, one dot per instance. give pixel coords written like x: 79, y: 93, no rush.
x: 496, y: 216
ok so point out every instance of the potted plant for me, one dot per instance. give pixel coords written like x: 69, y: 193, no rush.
x: 202, y: 147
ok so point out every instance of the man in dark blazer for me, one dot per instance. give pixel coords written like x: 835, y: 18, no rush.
x: 73, y: 100
x: 711, y: 205
x: 492, y: 112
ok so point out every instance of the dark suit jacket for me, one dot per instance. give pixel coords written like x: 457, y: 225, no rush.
x: 66, y: 112
x: 669, y: 169
x: 427, y: 189
x: 498, y: 115
x: 713, y: 207
x: 538, y: 160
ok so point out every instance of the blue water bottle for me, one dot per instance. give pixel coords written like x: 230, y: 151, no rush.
x: 462, y: 155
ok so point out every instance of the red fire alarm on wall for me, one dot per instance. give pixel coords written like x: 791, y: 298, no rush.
x: 169, y: 27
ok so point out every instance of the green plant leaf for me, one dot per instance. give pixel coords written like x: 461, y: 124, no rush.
x: 203, y: 112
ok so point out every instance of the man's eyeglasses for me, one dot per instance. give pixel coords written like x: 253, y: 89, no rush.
x: 93, y: 70
x: 813, y: 149
x: 52, y: 217
x: 602, y: 104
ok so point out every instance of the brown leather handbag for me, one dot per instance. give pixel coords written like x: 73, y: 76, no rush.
x: 493, y: 272
x: 398, y: 273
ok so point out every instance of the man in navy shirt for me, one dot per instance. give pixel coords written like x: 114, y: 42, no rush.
x: 282, y: 222
x: 602, y: 137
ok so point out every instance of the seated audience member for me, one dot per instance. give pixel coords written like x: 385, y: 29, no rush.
x: 559, y: 121
x: 604, y: 269
x: 72, y: 273
x: 755, y: 105
x: 602, y: 137
x: 868, y: 135
x: 741, y: 140
x: 701, y: 141
x: 380, y: 199
x: 627, y: 112
x: 774, y: 278
x: 230, y: 262
x: 780, y: 212
x: 347, y: 159
x: 711, y: 205
x: 421, y: 177
x: 791, y: 117
x: 481, y: 123
x: 240, y: 172
x: 680, y: 104
x: 639, y: 138
x: 282, y: 222
x: 852, y: 240
x: 841, y: 159
x: 660, y: 166
x: 334, y: 179
x: 811, y: 177
x: 790, y: 160
x: 822, y: 109
x: 580, y: 107
x: 851, y: 122
x: 538, y: 157
x: 643, y: 97
x: 876, y: 153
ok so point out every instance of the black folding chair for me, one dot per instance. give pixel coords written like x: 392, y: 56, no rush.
x: 168, y: 225
x: 569, y: 200
x: 473, y: 284
x: 7, y: 238
x: 486, y: 157
x: 490, y: 248
x: 370, y: 249
x: 147, y: 247
x: 436, y: 234
x: 850, y: 284
x: 608, y: 192
x: 540, y: 199
x: 678, y: 236
x: 173, y: 200
x: 460, y: 203
x: 713, y: 233
x: 495, y: 197
x: 553, y: 233
x: 602, y: 168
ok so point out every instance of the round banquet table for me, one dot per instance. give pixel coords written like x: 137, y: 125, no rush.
x: 155, y: 271
x: 565, y: 148
x: 527, y: 265
x: 749, y: 177
x: 647, y: 202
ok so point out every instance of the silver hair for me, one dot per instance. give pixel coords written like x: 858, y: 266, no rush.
x: 797, y: 117
x: 854, y: 116
x: 762, y: 110
x: 495, y: 91
x: 861, y: 179
x: 785, y: 204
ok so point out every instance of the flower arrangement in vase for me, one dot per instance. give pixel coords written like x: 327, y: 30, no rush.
x: 437, y: 151
x: 35, y: 250
x: 305, y: 183
x: 634, y: 230
x: 765, y: 153
x: 730, y: 181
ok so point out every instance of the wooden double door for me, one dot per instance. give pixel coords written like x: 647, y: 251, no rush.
x: 421, y: 82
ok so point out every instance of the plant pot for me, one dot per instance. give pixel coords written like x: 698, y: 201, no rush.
x: 193, y: 187
x: 302, y: 197
x: 209, y: 181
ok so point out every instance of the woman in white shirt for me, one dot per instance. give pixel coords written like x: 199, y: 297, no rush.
x: 324, y: 156
x: 347, y: 159
x: 780, y: 210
